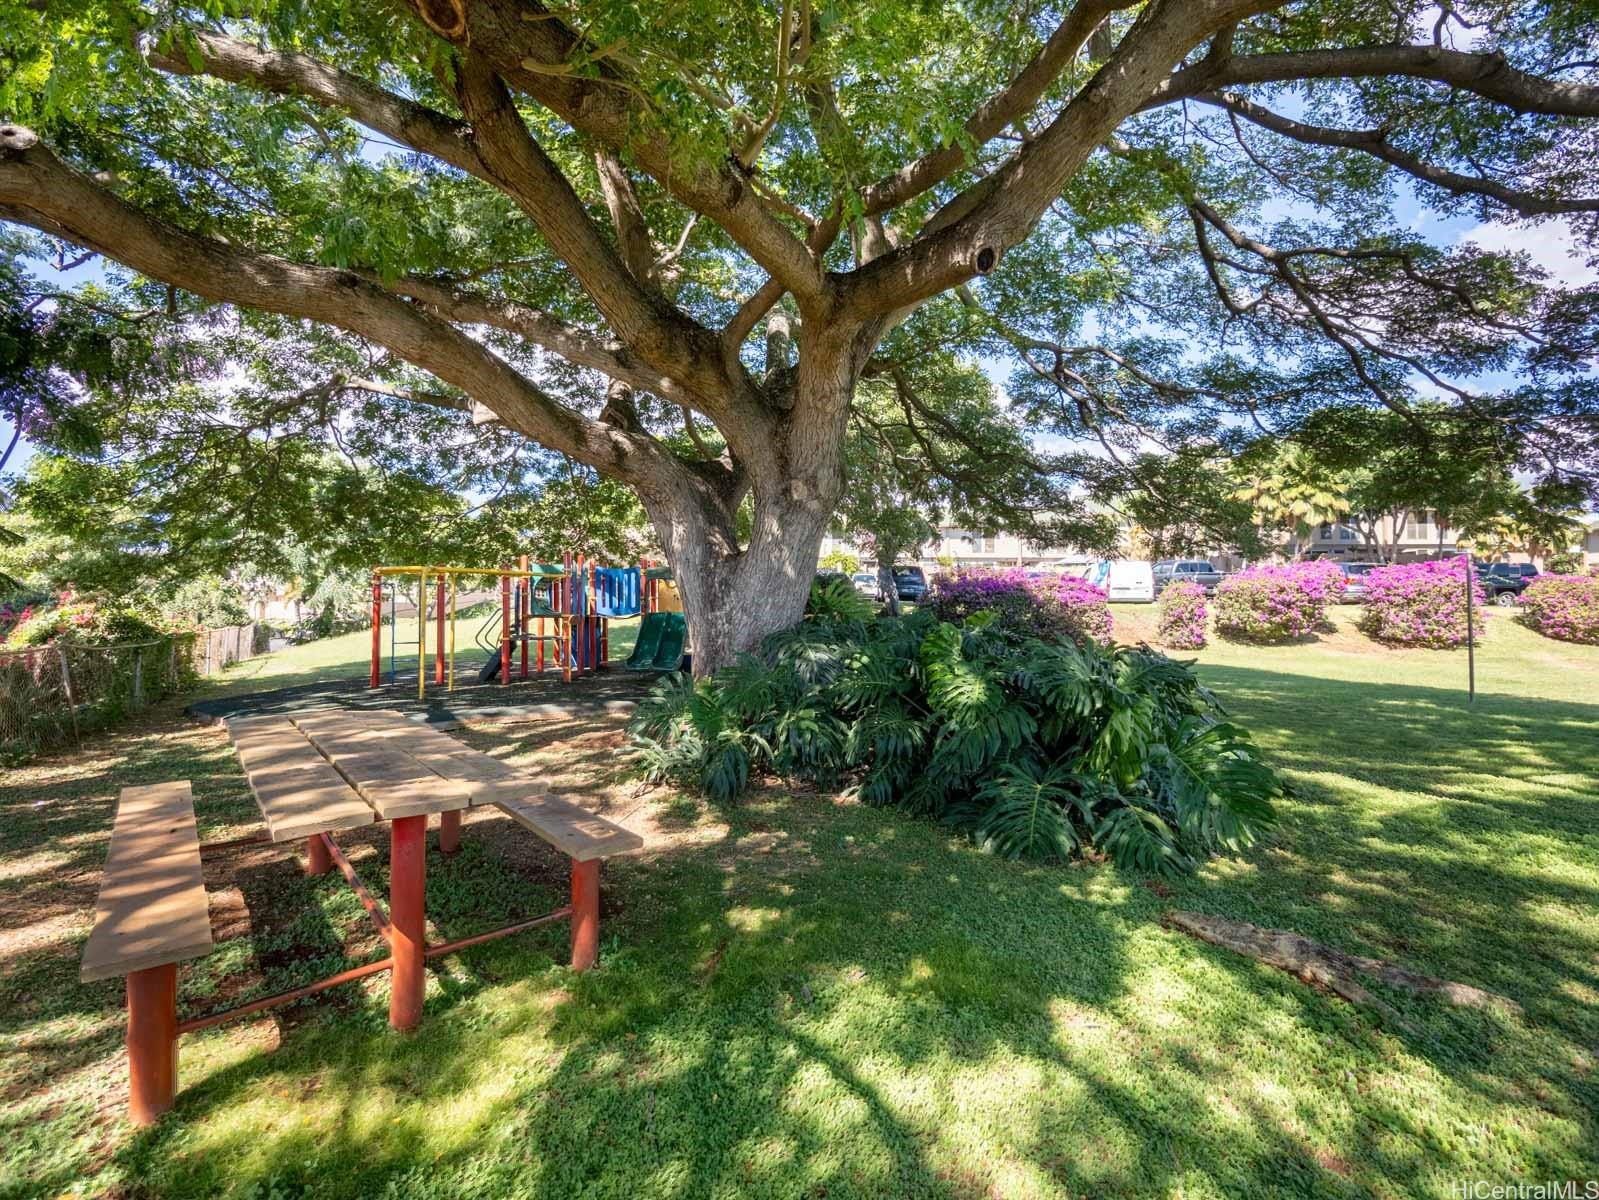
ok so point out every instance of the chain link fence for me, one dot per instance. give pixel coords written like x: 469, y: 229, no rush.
x: 51, y: 695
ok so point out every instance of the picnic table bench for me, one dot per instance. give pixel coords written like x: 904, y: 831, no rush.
x: 314, y: 775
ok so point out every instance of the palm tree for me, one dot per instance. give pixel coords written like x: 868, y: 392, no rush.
x: 1296, y: 493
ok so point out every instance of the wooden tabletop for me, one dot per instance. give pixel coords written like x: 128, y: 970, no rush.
x: 299, y: 792
x: 321, y: 771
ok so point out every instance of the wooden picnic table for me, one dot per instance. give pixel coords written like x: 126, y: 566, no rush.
x: 314, y: 775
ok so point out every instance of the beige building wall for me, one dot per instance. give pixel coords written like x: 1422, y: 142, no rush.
x: 968, y: 548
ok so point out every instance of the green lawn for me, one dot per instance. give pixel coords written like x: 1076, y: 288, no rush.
x: 800, y: 997
x: 349, y: 656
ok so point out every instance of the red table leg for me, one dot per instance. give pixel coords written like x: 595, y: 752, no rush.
x: 152, y: 1042
x: 585, y: 914
x: 450, y: 831
x: 407, y: 916
x: 318, y: 860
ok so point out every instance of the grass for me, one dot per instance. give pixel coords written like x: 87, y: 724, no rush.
x: 350, y: 656
x: 802, y: 997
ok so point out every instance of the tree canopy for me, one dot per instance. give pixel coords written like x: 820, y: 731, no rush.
x: 676, y: 244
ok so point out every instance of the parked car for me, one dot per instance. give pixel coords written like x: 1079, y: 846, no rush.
x: 1526, y: 570
x: 827, y: 577
x: 866, y: 584
x: 1194, y: 570
x: 1125, y: 580
x: 1502, y: 587
x: 1354, y: 581
x: 910, y: 583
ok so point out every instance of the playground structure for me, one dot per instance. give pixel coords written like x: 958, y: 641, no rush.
x: 558, y: 614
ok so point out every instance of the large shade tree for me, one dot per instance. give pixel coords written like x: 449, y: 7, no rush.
x: 667, y: 242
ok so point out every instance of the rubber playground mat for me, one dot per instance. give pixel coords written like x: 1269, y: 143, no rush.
x: 610, y: 690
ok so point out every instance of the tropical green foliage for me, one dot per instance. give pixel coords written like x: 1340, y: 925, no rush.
x: 1290, y: 489
x: 1034, y: 749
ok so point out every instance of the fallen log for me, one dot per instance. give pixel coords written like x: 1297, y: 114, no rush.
x: 1323, y: 966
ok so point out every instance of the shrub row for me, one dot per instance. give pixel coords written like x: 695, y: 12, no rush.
x: 1182, y: 616
x: 1035, y: 748
x: 1420, y: 604
x: 1052, y: 608
x: 1277, y: 604
x: 1564, y: 607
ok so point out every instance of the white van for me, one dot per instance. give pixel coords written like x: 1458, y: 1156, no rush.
x: 1125, y: 580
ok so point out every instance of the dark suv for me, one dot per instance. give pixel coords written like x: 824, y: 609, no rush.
x: 910, y: 583
x: 1504, y: 582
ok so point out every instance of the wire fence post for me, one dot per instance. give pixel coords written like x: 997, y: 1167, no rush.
x: 138, y: 677
x: 66, y: 686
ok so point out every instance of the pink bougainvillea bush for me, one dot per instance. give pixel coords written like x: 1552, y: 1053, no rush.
x: 1420, y: 604
x: 1182, y: 616
x: 1277, y: 604
x: 1055, y: 608
x: 1564, y: 607
x: 1086, y: 608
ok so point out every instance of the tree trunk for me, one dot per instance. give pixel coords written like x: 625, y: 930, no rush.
x: 734, y: 598
x: 887, y: 556
x: 734, y: 601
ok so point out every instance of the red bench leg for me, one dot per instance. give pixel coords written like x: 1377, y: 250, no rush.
x: 407, y: 890
x: 152, y: 1042
x: 318, y: 860
x: 585, y: 913
x: 450, y: 831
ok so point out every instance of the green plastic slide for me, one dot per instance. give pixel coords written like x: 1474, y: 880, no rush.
x: 669, y: 655
x: 648, y: 643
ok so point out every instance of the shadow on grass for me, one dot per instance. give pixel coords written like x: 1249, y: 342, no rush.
x: 803, y: 1007
x: 1432, y: 831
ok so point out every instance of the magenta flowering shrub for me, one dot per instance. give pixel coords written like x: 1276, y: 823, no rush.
x: 1054, y: 608
x: 1564, y: 607
x: 1277, y: 604
x: 1420, y: 604
x: 10, y: 618
x: 1182, y: 616
x: 1086, y: 608
x: 80, y: 620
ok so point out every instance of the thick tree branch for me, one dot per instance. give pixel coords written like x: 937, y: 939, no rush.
x: 1375, y: 142
x: 34, y: 183
x: 608, y: 356
x: 627, y: 216
x: 532, y: 50
x: 970, y: 234
x: 999, y: 110
x: 502, y: 153
x: 657, y: 331
x: 1485, y: 75
x: 289, y: 74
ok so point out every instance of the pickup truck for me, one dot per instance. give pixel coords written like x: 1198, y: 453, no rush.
x: 1194, y: 570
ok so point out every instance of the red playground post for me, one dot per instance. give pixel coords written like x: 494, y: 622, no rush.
x: 438, y: 659
x: 525, y: 609
x: 505, y: 629
x: 377, y: 624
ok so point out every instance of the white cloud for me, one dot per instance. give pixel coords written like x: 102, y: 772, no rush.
x: 1549, y: 244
